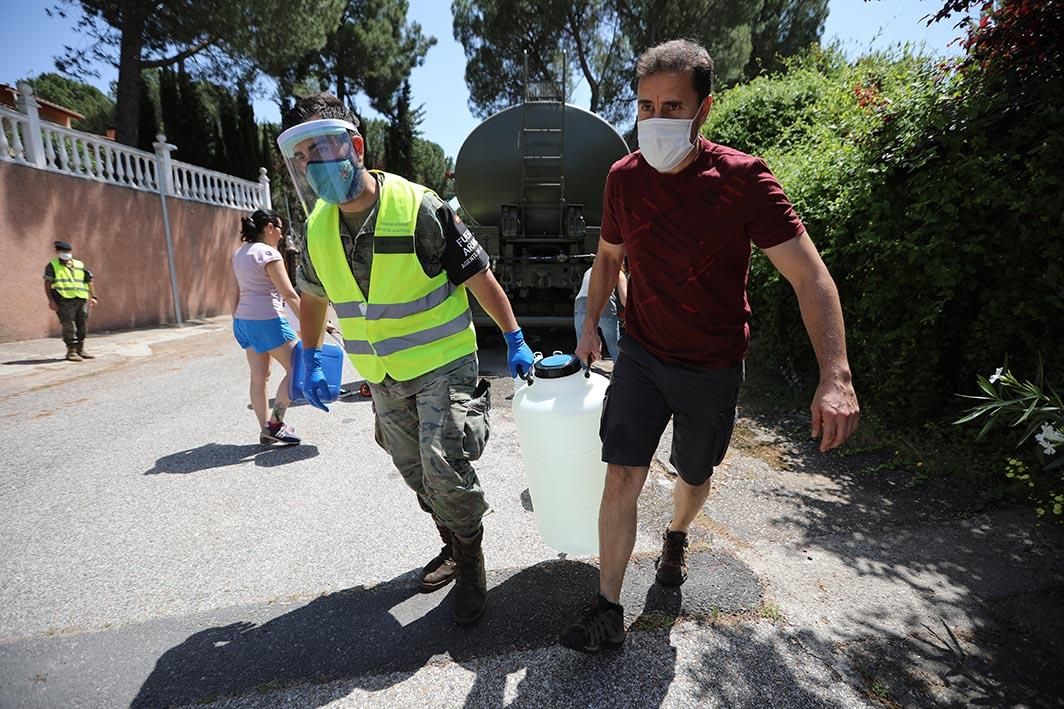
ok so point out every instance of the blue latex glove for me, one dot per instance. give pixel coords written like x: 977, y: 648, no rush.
x: 518, y: 355
x: 315, y: 388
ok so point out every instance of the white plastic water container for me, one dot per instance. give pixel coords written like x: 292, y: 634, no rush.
x: 557, y: 418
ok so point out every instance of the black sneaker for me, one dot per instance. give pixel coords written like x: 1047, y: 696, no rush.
x: 598, y: 625
x: 279, y: 433
x: 672, y: 564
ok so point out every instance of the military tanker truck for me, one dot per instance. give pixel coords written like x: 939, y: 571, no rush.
x: 529, y: 180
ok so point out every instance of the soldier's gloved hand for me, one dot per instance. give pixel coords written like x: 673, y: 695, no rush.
x: 315, y: 387
x: 518, y: 355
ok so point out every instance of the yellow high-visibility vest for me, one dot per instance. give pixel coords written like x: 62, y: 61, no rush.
x: 410, y: 324
x: 70, y: 279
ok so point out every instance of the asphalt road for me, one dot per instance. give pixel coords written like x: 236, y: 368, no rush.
x: 155, y: 554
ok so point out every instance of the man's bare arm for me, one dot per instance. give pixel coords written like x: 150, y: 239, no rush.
x: 835, y: 412
x: 312, y: 312
x: 493, y: 299
x: 604, y: 274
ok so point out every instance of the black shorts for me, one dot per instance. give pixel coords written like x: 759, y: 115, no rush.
x: 645, y: 392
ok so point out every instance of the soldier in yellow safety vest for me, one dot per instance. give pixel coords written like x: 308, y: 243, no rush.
x: 397, y: 264
x: 68, y: 285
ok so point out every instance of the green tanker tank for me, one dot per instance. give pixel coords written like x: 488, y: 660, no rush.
x: 530, y: 180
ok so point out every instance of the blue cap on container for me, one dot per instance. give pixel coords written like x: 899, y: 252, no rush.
x: 556, y: 366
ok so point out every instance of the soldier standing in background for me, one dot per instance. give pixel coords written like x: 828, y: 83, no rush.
x: 68, y: 286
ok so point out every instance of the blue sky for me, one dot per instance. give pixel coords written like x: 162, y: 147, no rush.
x: 29, y: 40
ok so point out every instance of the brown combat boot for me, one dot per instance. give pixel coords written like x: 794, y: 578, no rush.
x: 82, y: 353
x: 440, y: 571
x: 470, y: 586
x: 72, y: 354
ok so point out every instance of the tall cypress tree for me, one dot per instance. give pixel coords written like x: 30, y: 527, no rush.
x: 195, y: 120
x: 231, y: 147
x: 402, y: 134
x: 266, y: 152
x: 188, y: 120
x: 249, y: 136
x: 148, y: 122
x: 170, y: 106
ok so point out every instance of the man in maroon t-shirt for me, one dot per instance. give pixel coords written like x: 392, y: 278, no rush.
x: 684, y: 212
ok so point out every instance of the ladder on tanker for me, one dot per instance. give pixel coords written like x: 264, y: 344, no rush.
x: 543, y: 147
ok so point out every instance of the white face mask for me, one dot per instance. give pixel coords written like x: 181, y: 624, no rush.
x: 665, y: 142
x: 64, y: 255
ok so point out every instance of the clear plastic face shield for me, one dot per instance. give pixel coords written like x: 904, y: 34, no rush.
x: 322, y: 161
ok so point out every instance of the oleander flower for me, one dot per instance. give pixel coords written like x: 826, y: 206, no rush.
x: 1049, y: 438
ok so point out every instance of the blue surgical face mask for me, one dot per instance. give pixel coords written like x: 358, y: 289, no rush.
x: 336, y: 181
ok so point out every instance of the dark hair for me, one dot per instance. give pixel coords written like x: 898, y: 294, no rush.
x: 677, y: 57
x: 252, y: 225
x: 323, y: 105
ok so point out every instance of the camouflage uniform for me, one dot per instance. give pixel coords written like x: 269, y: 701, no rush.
x: 434, y: 424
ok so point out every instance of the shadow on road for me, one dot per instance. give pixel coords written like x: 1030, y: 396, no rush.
x: 985, y: 628
x: 371, y: 639
x: 219, y: 455
x: 380, y: 636
x: 49, y: 360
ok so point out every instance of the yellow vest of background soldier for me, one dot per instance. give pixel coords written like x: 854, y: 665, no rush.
x: 68, y: 286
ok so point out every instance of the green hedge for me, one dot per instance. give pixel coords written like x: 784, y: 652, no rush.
x: 936, y: 199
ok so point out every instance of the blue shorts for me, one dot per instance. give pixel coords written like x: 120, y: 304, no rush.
x: 262, y: 335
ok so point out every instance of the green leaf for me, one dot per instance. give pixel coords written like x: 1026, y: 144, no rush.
x: 1035, y: 425
x: 970, y: 417
x: 986, y: 386
x: 1056, y: 463
x: 1030, y: 410
x: 976, y: 413
x: 986, y: 427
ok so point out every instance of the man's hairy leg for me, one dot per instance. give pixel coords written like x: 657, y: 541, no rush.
x: 687, y: 502
x: 617, y: 524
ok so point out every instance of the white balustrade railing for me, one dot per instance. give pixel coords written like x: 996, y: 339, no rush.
x: 13, y: 126
x: 84, y: 155
x: 27, y: 140
x: 200, y: 184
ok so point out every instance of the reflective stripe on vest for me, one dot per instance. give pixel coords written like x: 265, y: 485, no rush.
x: 411, y: 323
x: 424, y: 337
x: 70, y: 280
x: 378, y: 311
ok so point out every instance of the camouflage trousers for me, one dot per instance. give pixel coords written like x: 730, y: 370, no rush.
x: 433, y: 426
x: 74, y: 317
